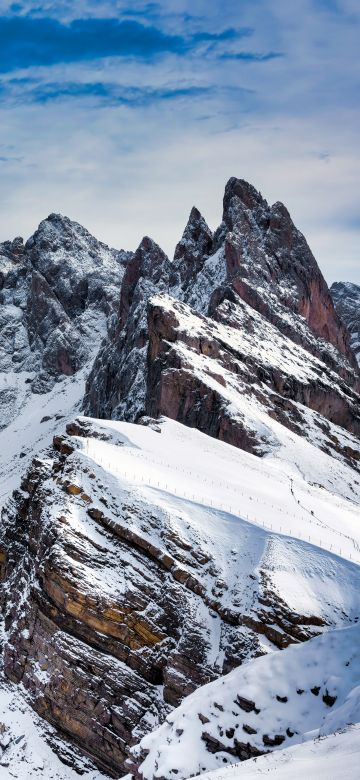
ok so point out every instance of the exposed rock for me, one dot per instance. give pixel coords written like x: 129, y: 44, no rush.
x: 346, y: 297
x: 197, y: 367
x: 117, y: 383
x: 275, y: 741
x: 191, y: 252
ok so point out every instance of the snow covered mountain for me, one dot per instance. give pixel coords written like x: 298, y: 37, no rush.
x: 166, y: 556
x: 346, y: 297
x: 56, y: 293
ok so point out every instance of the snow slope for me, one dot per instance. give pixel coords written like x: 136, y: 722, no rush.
x: 325, y: 758
x: 284, y: 698
x: 297, y: 491
x: 32, y: 427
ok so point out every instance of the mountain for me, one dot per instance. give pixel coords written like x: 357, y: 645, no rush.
x: 180, y: 458
x: 140, y: 566
x: 56, y: 293
x: 252, y: 318
x: 346, y: 297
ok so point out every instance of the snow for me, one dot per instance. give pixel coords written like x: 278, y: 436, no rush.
x: 26, y: 434
x: 286, y: 689
x: 325, y: 758
x: 280, y: 493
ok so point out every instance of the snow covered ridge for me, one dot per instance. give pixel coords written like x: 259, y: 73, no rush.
x: 346, y: 297
x: 282, y: 699
x: 143, y: 561
x: 231, y: 377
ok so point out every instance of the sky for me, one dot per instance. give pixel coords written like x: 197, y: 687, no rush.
x: 123, y: 115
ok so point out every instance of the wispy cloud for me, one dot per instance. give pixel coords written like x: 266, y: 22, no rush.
x: 27, y: 42
x: 250, y: 56
x: 31, y: 91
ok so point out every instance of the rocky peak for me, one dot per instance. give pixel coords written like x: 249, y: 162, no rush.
x: 271, y: 266
x: 14, y: 250
x: 11, y: 263
x: 241, y: 190
x: 196, y: 239
x: 192, y: 250
x: 150, y: 264
x: 57, y: 295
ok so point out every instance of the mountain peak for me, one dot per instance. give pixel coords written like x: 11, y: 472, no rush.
x: 197, y: 238
x: 246, y: 192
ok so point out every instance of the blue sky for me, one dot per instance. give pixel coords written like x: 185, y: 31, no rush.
x: 122, y: 115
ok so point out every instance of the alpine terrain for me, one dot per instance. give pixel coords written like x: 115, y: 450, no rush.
x: 180, y: 505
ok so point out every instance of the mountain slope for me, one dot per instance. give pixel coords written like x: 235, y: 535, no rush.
x: 56, y: 295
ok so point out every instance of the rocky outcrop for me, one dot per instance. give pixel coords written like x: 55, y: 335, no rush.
x: 346, y: 297
x: 117, y: 383
x: 200, y: 370
x: 270, y: 265
x: 195, y: 246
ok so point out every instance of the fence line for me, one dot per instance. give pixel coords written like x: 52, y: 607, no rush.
x: 235, y: 511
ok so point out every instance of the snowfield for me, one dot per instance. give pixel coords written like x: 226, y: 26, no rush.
x: 327, y: 758
x: 296, y: 491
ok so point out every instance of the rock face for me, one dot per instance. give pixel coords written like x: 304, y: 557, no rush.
x: 56, y: 295
x: 273, y: 269
x: 199, y: 371
x: 120, y: 367
x: 254, y: 282
x: 346, y: 297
